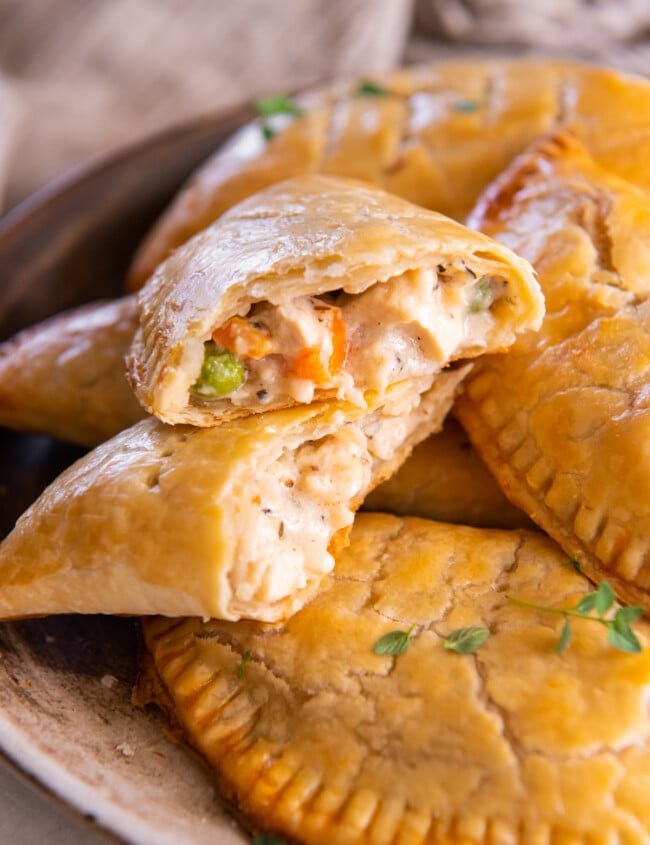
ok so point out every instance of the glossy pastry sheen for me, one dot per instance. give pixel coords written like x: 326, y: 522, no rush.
x: 67, y: 377
x: 316, y: 739
x: 320, y: 288
x: 236, y: 520
x: 563, y: 419
x: 436, y: 136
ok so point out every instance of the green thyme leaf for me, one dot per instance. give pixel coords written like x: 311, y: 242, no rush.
x: 574, y: 562
x: 605, y: 598
x: 587, y: 603
x: 393, y: 643
x: 466, y: 640
x: 371, y: 89
x: 241, y: 666
x: 278, y: 104
x: 268, y: 132
x: 267, y: 839
x: 622, y: 637
x: 565, y: 637
x: 628, y: 614
x: 467, y: 106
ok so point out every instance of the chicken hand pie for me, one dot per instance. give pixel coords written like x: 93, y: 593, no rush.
x: 435, y: 134
x: 235, y: 520
x: 321, y: 288
x: 66, y: 377
x: 562, y: 419
x: 317, y: 739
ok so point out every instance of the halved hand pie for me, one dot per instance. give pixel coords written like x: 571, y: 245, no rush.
x: 321, y: 288
x: 316, y: 738
x: 236, y: 520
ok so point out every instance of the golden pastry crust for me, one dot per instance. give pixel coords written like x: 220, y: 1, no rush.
x: 309, y: 236
x: 236, y: 520
x: 560, y: 419
x: 320, y: 740
x: 445, y: 479
x: 443, y: 131
x: 566, y: 437
x: 66, y: 377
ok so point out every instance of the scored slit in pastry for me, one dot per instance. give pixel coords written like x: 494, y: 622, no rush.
x: 563, y: 418
x: 240, y: 519
x: 316, y: 739
x: 321, y: 288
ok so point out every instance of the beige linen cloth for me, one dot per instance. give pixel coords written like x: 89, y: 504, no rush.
x: 82, y: 77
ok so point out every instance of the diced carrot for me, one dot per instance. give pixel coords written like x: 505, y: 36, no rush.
x: 238, y: 335
x: 309, y: 363
x: 339, y: 342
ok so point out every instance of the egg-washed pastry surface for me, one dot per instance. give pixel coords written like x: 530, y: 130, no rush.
x: 317, y: 739
x: 66, y: 377
x: 320, y: 288
x: 434, y: 134
x: 445, y: 479
x: 561, y: 419
x: 236, y: 520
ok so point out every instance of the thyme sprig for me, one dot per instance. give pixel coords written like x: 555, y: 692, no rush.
x: 368, y: 88
x: 619, y: 633
x: 277, y: 104
x: 462, y: 641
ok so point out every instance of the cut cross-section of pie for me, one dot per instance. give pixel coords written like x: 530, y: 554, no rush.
x: 236, y: 520
x: 562, y: 420
x: 315, y: 738
x: 321, y: 288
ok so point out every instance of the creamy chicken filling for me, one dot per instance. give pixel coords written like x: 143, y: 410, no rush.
x: 287, y: 514
x: 404, y: 328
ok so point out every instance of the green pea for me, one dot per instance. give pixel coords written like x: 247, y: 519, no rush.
x: 482, y: 296
x: 221, y: 373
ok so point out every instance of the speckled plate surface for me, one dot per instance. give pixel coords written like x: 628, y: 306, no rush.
x: 66, y: 717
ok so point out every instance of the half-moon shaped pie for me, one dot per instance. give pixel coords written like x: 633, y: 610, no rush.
x: 321, y: 288
x: 236, y: 520
x: 435, y: 134
x: 562, y: 421
x: 66, y: 377
x: 316, y: 739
